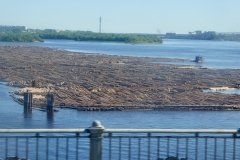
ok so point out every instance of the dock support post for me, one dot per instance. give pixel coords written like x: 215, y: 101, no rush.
x: 96, y: 137
x: 50, y: 102
x: 28, y: 101
x: 34, y: 83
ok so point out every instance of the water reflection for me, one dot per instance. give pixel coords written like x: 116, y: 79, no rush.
x: 50, y: 116
x: 27, y: 114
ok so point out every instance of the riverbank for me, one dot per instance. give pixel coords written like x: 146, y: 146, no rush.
x: 81, y: 79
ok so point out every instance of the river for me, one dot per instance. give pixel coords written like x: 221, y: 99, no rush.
x: 217, y: 55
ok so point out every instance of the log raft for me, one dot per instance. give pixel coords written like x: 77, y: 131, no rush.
x: 83, y: 79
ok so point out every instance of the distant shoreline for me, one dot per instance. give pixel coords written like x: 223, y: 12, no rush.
x: 77, y: 36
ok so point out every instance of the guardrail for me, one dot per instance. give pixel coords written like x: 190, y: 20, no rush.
x: 96, y: 143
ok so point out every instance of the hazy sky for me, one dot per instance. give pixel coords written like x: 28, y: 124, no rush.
x: 124, y: 16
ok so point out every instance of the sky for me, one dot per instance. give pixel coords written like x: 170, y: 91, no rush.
x: 124, y: 16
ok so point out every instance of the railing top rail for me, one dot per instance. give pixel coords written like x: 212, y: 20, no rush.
x: 220, y: 131
x: 216, y: 131
x: 44, y: 130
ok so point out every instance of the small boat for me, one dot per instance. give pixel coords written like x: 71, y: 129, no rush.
x: 199, y: 59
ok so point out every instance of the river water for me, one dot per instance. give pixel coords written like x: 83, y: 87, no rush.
x: 217, y: 55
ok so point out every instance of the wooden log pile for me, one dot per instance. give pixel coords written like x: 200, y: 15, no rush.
x: 83, y: 80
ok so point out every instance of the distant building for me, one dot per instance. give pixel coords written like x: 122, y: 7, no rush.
x: 198, y: 32
x: 209, y: 32
x: 195, y: 32
x: 4, y: 28
x: 53, y: 30
x: 170, y: 35
x: 191, y: 33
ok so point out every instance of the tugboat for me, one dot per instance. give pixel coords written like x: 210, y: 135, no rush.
x: 199, y: 59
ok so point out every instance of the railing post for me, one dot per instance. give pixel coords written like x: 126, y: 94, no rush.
x: 96, y: 137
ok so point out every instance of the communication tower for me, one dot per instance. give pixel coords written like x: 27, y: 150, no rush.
x: 100, y: 25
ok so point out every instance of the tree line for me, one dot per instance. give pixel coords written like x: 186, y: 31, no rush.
x: 19, y: 37
x: 77, y: 36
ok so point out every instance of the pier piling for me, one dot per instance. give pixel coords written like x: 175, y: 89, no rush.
x: 33, y: 83
x: 50, y: 102
x: 28, y: 101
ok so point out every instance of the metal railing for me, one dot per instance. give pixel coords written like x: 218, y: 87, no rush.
x: 96, y: 143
